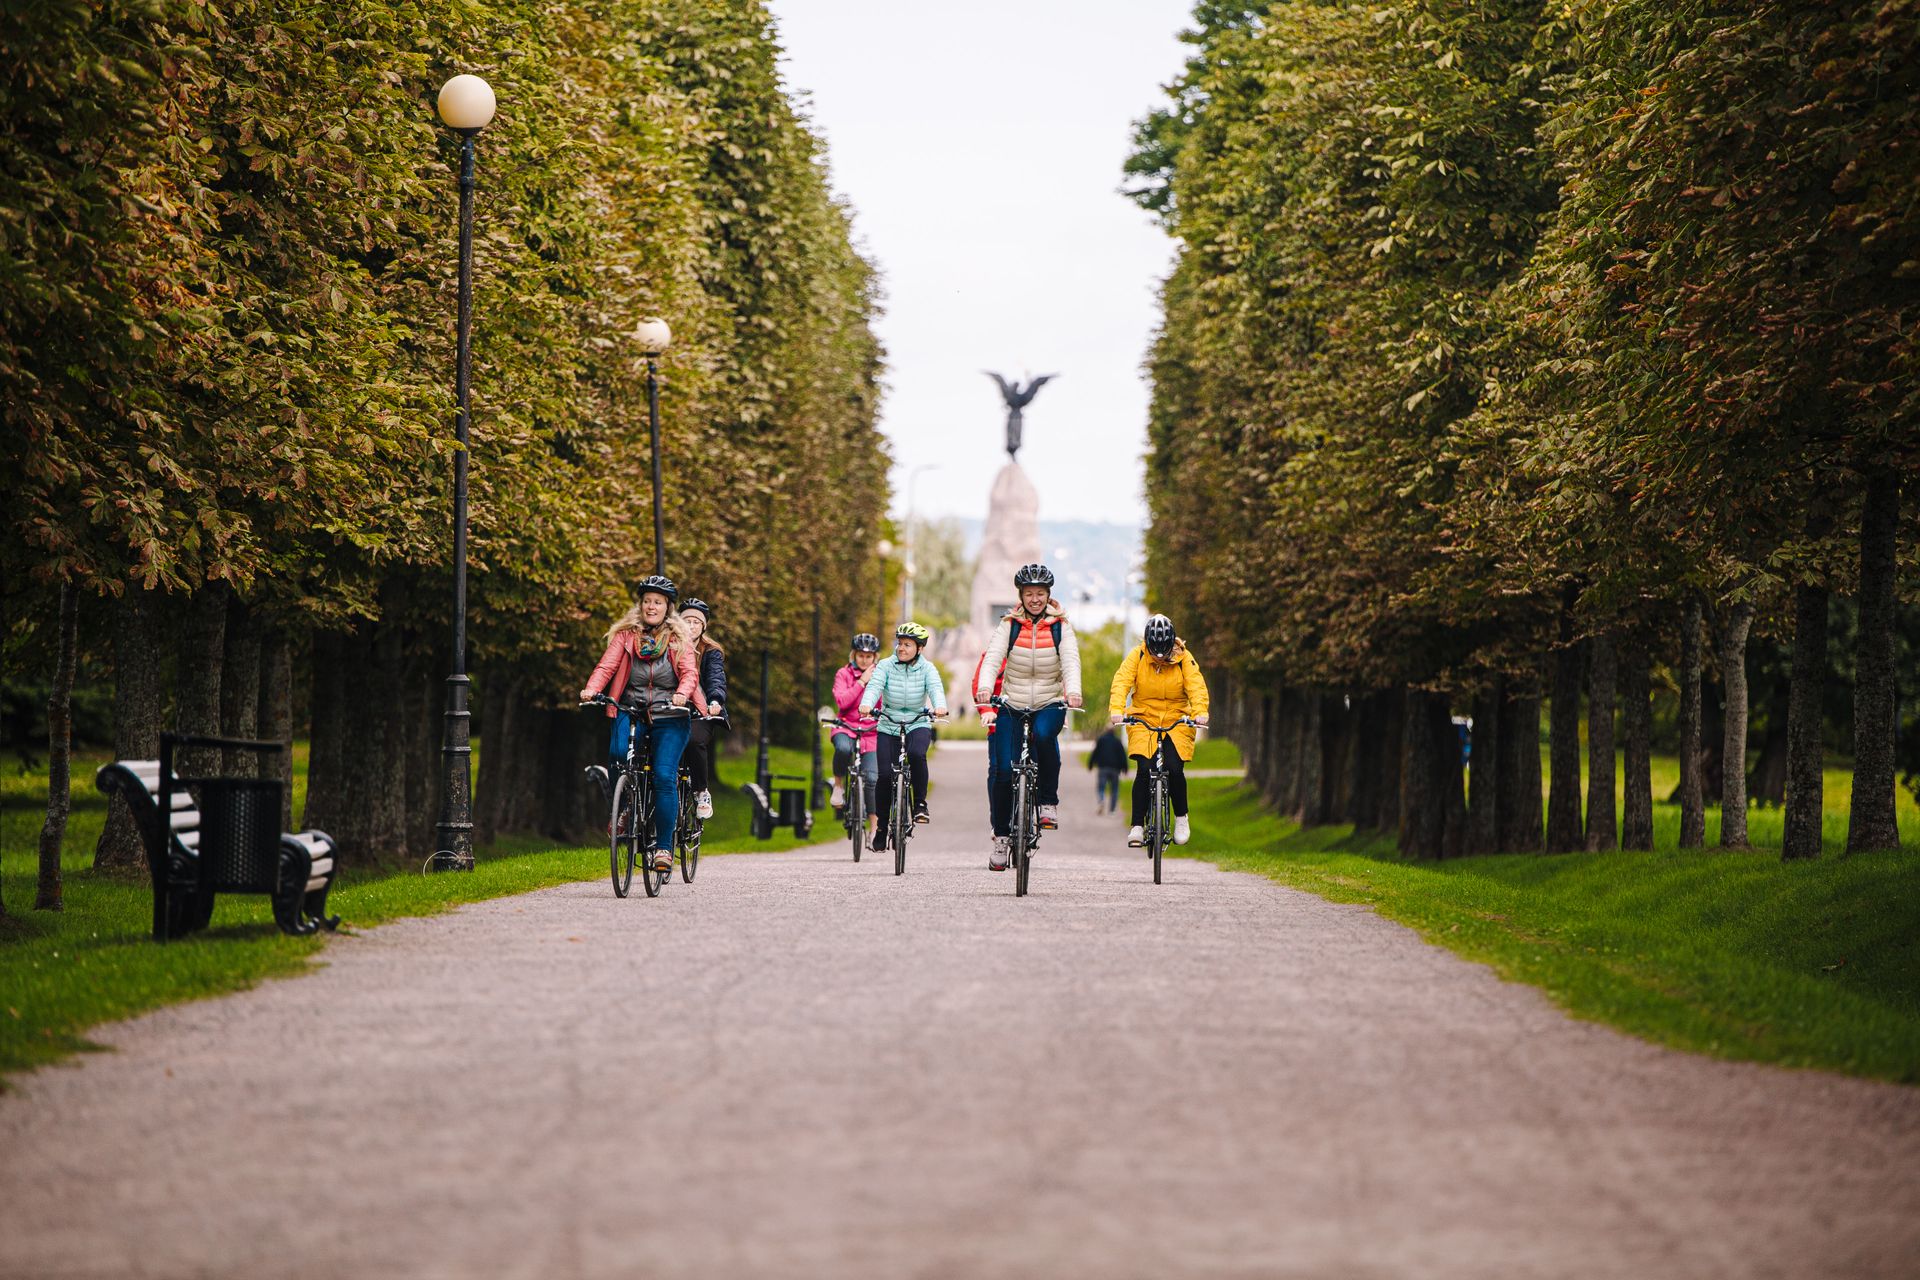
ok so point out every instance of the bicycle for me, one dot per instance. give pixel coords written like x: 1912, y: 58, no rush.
x: 1025, y: 828
x: 854, y: 814
x: 899, y: 819
x: 1159, y: 827
x: 630, y: 818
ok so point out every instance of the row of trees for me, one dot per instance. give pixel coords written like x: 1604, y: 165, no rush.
x: 226, y: 331
x: 1520, y: 353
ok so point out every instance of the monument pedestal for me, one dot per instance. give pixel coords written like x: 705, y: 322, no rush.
x: 1011, y: 538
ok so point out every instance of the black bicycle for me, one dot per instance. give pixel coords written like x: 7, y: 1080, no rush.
x: 1159, y: 827
x: 630, y: 817
x: 899, y: 818
x: 1025, y: 830
x: 853, y: 815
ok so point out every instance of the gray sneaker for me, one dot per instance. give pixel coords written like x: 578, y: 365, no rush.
x: 1002, y: 853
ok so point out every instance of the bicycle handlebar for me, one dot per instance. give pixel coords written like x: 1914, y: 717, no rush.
x: 662, y: 713
x: 1162, y: 730
x: 1001, y: 704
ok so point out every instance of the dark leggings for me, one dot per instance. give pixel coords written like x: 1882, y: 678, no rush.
x: 917, y: 741
x: 699, y: 754
x: 1176, y: 784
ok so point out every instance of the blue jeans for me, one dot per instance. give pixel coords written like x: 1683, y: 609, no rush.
x: 1003, y: 752
x: 669, y: 741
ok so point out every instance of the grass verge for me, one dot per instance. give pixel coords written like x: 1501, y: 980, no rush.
x: 1737, y: 955
x: 62, y: 973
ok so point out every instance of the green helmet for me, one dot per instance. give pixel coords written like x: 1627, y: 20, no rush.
x: 913, y: 631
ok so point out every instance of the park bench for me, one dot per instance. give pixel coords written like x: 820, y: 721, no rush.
x: 205, y: 836
x: 777, y: 806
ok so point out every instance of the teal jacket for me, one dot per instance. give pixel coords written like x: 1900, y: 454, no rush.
x: 904, y: 690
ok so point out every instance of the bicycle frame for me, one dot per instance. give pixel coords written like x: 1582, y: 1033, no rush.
x: 1025, y: 783
x: 636, y: 772
x: 1159, y: 811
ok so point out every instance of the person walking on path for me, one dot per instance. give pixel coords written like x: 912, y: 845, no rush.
x: 1161, y: 680
x: 1107, y: 759
x: 858, y: 749
x: 1038, y: 656
x: 905, y: 686
x: 649, y: 664
x: 697, y: 615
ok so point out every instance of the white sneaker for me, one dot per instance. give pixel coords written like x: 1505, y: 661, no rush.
x: 1049, y: 817
x: 703, y: 805
x: 1182, y: 832
x: 1002, y: 853
x: 1136, y: 836
x: 839, y: 797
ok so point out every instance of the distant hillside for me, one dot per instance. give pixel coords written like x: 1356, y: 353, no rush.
x: 1087, y: 556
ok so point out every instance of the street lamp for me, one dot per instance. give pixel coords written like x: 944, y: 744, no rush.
x: 883, y: 549
x: 653, y: 335
x: 466, y: 105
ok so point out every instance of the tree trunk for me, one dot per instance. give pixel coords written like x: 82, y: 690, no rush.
x: 203, y: 648
x: 1636, y: 823
x: 326, y: 736
x: 1310, y: 762
x: 1564, y: 834
x: 422, y: 718
x: 1733, y: 749
x: 137, y: 688
x: 48, y: 894
x: 273, y: 717
x: 1801, y: 838
x: 1363, y: 754
x: 1602, y: 826
x: 240, y: 686
x: 1282, y: 743
x: 1393, y: 721
x: 1521, y: 798
x: 1336, y: 778
x: 1871, y: 824
x: 1693, y: 798
x: 1432, y: 806
x: 1483, y: 799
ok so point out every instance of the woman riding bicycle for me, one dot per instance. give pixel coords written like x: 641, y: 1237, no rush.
x: 1038, y: 658
x: 649, y: 663
x: 1162, y: 679
x: 858, y: 747
x: 902, y: 687
x: 711, y: 659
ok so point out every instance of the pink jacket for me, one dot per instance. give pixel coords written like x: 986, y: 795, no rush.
x: 846, y: 696
x: 610, y: 673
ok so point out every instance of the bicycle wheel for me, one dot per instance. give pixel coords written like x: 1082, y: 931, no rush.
x: 620, y: 822
x: 856, y: 814
x: 1157, y: 834
x: 643, y: 838
x: 688, y: 835
x: 902, y: 824
x: 1022, y: 842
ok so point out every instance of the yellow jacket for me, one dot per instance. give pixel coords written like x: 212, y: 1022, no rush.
x: 1160, y: 692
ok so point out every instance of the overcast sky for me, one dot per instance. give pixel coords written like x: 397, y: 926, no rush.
x: 980, y: 147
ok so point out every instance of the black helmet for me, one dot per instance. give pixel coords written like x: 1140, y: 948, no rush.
x: 694, y: 604
x: 866, y: 642
x: 1033, y: 575
x: 1159, y: 635
x: 664, y: 585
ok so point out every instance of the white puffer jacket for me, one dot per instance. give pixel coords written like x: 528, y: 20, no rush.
x: 1037, y: 671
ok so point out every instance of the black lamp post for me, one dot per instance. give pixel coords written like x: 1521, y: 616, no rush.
x: 653, y: 335
x: 466, y: 105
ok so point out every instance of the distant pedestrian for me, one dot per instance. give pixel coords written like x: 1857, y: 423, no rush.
x: 1108, y: 758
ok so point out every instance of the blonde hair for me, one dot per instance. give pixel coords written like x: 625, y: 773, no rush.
x: 631, y: 621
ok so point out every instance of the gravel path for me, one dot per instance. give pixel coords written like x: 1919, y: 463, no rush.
x: 800, y: 1067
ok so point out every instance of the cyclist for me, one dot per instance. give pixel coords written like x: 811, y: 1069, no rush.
x: 1038, y: 657
x: 1162, y: 679
x: 904, y: 685
x: 712, y: 662
x: 859, y: 748
x: 649, y: 662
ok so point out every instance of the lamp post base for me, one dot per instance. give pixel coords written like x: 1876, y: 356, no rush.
x: 454, y: 851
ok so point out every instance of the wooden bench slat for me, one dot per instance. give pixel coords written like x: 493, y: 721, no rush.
x: 184, y: 819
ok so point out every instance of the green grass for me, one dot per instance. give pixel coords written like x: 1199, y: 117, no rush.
x: 62, y: 973
x: 1812, y: 964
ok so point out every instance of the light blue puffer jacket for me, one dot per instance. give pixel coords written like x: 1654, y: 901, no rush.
x: 904, y: 689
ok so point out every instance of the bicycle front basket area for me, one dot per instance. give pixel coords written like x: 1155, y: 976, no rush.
x: 240, y: 834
